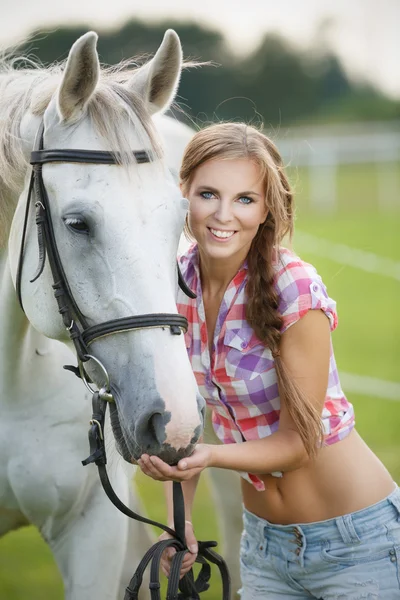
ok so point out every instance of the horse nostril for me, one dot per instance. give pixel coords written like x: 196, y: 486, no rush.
x: 156, y: 428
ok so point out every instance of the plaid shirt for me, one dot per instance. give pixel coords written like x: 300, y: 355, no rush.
x: 239, y: 380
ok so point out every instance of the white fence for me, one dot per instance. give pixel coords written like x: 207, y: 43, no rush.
x: 322, y: 150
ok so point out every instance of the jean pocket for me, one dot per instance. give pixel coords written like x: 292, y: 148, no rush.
x: 252, y: 551
x: 245, y: 549
x: 339, y: 553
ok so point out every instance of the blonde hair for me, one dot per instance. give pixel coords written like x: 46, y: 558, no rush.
x: 238, y: 140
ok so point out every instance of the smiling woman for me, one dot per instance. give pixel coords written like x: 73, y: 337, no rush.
x: 260, y: 346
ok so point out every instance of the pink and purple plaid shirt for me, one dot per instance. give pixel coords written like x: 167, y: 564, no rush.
x: 239, y: 381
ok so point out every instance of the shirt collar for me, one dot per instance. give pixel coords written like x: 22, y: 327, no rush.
x: 194, y: 260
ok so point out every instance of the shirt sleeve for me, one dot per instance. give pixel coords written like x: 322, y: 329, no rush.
x: 301, y: 289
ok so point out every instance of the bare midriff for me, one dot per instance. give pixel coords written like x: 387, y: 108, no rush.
x: 343, y: 478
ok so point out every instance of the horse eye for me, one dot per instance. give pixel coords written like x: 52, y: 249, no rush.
x: 77, y: 225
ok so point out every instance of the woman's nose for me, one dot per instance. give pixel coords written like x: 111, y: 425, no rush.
x: 224, y: 212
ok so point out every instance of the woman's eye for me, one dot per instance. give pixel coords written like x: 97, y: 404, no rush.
x: 77, y: 225
x: 206, y: 195
x: 245, y: 200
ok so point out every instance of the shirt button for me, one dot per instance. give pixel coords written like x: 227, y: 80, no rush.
x: 315, y: 287
x: 244, y: 345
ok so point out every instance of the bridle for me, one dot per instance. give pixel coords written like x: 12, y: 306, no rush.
x: 82, y: 335
x: 74, y: 321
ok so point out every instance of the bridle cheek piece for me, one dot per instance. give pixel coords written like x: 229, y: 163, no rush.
x: 82, y: 335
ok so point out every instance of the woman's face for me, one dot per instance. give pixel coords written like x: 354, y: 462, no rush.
x: 226, y: 207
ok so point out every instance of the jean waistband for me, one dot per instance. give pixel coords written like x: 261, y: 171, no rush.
x: 344, y: 527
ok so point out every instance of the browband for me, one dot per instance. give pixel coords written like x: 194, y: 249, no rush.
x: 39, y: 157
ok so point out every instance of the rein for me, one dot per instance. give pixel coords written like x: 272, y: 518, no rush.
x: 82, y: 335
x: 189, y: 588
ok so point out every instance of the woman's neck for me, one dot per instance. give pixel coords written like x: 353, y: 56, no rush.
x: 216, y: 274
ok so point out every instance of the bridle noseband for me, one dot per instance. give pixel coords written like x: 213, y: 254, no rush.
x: 82, y: 335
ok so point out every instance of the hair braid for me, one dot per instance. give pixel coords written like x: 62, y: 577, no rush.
x: 262, y: 298
x: 263, y: 316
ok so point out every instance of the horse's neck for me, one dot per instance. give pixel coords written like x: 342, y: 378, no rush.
x: 18, y: 339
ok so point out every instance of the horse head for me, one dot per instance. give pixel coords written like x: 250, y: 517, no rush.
x: 117, y: 229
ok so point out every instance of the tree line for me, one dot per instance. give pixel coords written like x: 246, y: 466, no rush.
x: 276, y: 84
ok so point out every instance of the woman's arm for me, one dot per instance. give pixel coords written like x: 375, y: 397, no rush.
x: 305, y: 351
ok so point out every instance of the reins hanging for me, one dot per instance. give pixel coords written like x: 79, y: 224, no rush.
x: 186, y: 588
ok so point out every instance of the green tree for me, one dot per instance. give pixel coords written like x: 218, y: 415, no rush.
x: 277, y: 83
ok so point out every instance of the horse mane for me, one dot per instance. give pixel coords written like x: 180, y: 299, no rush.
x: 32, y: 88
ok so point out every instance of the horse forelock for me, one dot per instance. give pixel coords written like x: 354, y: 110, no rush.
x: 110, y: 108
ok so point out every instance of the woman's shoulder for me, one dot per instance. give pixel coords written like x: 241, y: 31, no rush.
x: 300, y: 288
x: 290, y: 268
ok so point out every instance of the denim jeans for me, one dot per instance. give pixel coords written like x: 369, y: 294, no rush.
x: 353, y: 557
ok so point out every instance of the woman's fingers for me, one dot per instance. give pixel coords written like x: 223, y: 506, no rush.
x: 189, y: 558
x: 156, y: 468
x: 187, y: 563
x: 167, y: 556
x: 150, y: 469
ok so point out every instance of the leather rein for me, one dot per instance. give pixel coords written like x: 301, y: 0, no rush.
x: 82, y: 335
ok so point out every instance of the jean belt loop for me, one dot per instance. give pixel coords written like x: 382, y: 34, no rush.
x: 264, y: 537
x: 346, y: 530
x: 394, y: 499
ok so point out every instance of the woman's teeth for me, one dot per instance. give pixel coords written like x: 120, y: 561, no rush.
x: 222, y: 234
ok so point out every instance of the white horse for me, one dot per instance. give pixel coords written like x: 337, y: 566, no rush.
x: 117, y: 229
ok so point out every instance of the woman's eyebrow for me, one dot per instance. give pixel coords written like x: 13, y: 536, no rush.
x: 249, y: 193
x: 214, y: 190
x: 209, y: 188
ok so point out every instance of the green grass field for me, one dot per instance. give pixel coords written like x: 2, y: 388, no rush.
x: 366, y: 343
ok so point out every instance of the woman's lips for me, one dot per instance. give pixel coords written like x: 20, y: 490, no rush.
x: 221, y: 235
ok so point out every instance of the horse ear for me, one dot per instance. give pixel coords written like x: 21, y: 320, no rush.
x: 80, y: 77
x: 157, y: 81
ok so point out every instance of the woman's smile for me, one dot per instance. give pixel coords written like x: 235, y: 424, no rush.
x: 221, y: 235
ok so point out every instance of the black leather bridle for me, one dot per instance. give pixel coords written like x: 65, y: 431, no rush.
x: 75, y: 322
x: 82, y: 335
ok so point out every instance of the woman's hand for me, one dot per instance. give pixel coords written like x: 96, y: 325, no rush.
x: 185, y: 469
x: 190, y: 557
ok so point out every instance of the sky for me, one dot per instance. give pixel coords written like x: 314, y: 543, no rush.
x: 364, y: 33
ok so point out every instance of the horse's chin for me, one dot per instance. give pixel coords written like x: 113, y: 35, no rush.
x: 131, y: 452
x: 170, y: 455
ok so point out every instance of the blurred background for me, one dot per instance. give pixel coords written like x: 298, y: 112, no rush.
x: 323, y: 79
